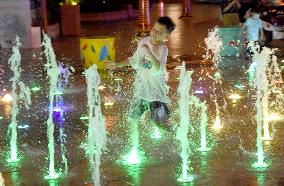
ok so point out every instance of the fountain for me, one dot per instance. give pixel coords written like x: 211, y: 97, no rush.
x: 134, y: 156
x: 203, y: 122
x: 53, y: 72
x: 214, y: 47
x: 261, y: 59
x: 183, y: 128
x: 65, y: 72
x: 24, y: 94
x: 96, y: 142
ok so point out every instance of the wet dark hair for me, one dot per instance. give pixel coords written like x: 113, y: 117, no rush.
x: 255, y: 10
x: 170, y: 26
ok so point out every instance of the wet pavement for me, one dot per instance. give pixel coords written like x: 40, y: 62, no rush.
x: 232, y: 148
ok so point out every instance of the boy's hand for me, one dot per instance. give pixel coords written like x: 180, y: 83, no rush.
x: 111, y: 65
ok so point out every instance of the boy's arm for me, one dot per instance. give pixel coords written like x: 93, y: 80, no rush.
x: 267, y: 26
x: 113, y: 65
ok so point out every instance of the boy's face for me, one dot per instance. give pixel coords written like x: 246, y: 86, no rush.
x: 159, y: 33
x: 255, y: 15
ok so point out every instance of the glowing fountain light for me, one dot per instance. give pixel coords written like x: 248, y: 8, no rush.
x: 57, y: 109
x: 234, y: 97
x: 101, y: 87
x: 24, y: 94
x: 217, y: 123
x: 108, y: 104
x: 7, y: 98
x: 53, y: 73
x: 199, y: 92
x: 84, y: 117
x: 134, y: 157
x: 58, y: 92
x: 183, y: 128
x: 23, y: 126
x: 35, y: 89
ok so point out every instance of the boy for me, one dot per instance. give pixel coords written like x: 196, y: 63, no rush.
x: 253, y: 27
x: 150, y: 87
x: 253, y: 34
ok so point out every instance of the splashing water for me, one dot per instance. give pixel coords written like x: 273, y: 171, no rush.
x: 53, y: 73
x: 65, y: 72
x: 276, y: 84
x: 214, y: 46
x: 183, y: 128
x: 134, y: 156
x: 96, y: 127
x: 202, y: 106
x: 261, y: 59
x: 24, y: 94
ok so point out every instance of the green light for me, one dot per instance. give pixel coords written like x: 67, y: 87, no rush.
x: 156, y: 133
x: 35, y: 89
x: 52, y: 176
x: 260, y: 165
x: 133, y: 157
x: 186, y: 176
x: 1, y: 117
x: 260, y: 179
x: 117, y: 79
x: 203, y: 149
x: 58, y: 93
x: 186, y: 179
x: 84, y: 117
x: 251, y: 76
x: 13, y: 160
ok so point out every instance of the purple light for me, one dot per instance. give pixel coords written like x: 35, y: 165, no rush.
x: 199, y: 92
x: 57, y: 109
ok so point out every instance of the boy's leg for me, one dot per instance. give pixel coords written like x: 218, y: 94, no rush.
x: 137, y: 109
x: 160, y: 115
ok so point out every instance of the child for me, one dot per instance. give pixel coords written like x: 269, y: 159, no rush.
x: 253, y: 27
x: 150, y: 87
x: 253, y: 33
